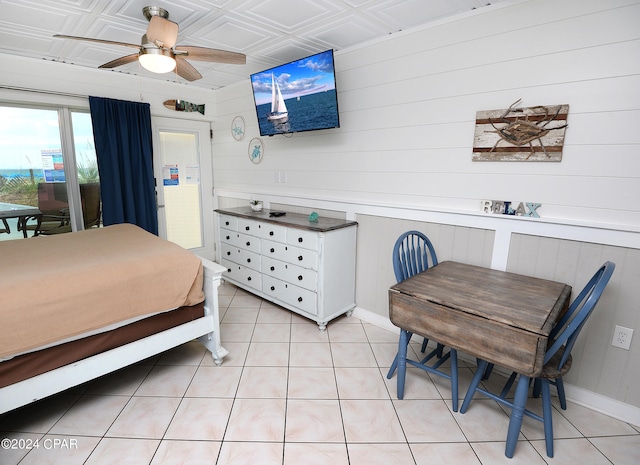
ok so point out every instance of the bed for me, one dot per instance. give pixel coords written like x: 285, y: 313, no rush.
x: 80, y: 305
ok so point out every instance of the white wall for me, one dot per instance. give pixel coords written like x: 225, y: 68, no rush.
x: 52, y: 78
x: 402, y: 157
x: 408, y: 105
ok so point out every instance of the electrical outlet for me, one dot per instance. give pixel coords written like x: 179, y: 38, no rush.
x: 622, y: 337
x: 280, y: 177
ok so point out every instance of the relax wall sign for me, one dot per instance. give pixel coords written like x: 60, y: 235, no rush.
x: 503, y: 207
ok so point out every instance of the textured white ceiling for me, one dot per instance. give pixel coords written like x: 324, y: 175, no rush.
x: 269, y: 32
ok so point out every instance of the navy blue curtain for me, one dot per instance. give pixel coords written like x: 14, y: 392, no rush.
x: 123, y: 138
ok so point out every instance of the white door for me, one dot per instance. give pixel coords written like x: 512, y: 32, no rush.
x: 184, y: 183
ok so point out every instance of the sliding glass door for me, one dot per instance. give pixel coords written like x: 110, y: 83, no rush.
x: 49, y: 181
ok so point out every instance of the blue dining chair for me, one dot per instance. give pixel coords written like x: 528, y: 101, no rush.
x: 413, y: 253
x: 557, y: 360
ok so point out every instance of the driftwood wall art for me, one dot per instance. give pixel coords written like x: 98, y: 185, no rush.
x: 520, y: 134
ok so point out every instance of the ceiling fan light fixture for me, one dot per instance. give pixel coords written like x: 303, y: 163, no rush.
x: 157, y: 60
x: 157, y: 54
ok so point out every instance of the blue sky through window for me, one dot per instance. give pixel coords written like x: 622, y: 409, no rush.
x: 26, y: 132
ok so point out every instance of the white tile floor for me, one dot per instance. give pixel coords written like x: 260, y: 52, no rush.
x: 289, y: 394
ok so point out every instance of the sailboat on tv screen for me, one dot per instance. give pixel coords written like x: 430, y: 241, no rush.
x: 278, y: 111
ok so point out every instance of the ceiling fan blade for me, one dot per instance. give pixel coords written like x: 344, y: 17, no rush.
x: 186, y: 70
x: 100, y: 41
x: 163, y: 31
x: 211, y: 54
x: 120, y: 61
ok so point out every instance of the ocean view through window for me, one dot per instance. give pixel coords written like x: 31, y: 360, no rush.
x: 39, y: 172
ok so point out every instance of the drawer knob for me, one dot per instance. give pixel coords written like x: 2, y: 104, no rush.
x: 271, y: 233
x: 248, y: 260
x: 300, y: 278
x: 248, y: 243
x: 228, y: 270
x: 246, y: 228
x: 226, y: 223
x: 299, y: 239
x: 228, y: 253
x: 273, y: 268
x: 272, y: 250
x: 249, y: 278
x: 300, y: 257
x: 273, y: 288
x: 299, y: 299
x: 228, y: 238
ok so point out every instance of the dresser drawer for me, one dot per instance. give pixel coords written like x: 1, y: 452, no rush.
x: 293, y: 274
x: 288, y: 293
x: 263, y: 230
x: 302, y: 238
x: 242, y: 274
x: 249, y: 259
x: 248, y: 226
x: 271, y: 231
x: 227, y: 235
x: 290, y: 254
x: 228, y: 252
x: 241, y: 256
x: 242, y: 241
x: 229, y: 222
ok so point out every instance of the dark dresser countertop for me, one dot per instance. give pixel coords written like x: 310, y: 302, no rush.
x: 293, y: 220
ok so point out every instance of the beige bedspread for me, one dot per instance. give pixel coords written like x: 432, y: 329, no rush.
x: 56, y: 287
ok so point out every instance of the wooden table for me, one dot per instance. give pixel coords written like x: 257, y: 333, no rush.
x: 503, y: 318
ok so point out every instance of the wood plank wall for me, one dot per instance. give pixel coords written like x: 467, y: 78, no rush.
x: 408, y: 105
x: 402, y: 157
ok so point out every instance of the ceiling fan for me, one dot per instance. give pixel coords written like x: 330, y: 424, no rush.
x: 158, y: 51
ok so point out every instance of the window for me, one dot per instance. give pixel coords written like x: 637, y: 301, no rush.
x: 49, y: 180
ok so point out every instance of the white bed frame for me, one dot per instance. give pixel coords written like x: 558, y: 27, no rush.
x: 205, y: 329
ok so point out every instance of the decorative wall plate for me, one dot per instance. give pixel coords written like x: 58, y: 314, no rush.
x: 237, y: 128
x: 256, y: 150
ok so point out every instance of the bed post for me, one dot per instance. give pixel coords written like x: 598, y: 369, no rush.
x: 212, y: 276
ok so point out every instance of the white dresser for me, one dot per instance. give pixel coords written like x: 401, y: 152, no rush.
x: 306, y: 267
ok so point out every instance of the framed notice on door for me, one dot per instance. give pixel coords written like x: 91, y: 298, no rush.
x: 170, y: 175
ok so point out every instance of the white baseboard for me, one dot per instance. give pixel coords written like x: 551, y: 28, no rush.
x: 375, y: 319
x: 594, y: 401
x: 599, y: 403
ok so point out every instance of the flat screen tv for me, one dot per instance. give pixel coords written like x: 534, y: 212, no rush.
x: 297, y: 96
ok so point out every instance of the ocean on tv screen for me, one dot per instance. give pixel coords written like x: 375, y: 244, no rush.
x: 297, y: 96
x: 305, y: 113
